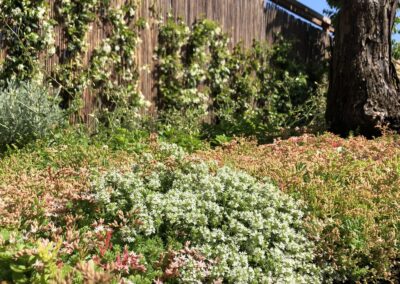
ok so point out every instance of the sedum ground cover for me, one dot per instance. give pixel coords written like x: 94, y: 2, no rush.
x: 129, y: 208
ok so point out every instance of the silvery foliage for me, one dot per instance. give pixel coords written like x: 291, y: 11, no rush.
x: 27, y: 111
x: 250, y: 229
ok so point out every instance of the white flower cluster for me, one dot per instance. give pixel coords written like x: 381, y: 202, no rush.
x: 252, y: 230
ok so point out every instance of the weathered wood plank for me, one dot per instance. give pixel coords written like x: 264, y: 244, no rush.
x: 307, y: 13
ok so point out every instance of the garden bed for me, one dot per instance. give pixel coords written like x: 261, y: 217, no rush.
x: 339, y: 194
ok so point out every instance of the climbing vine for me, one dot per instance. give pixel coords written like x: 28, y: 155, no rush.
x: 251, y: 91
x: 75, y: 18
x: 109, y: 71
x: 113, y: 70
x: 183, y: 59
x: 27, y: 33
x: 198, y: 77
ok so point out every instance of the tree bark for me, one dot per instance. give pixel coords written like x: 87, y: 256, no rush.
x: 364, y: 88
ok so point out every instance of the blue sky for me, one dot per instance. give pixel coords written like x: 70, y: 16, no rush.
x: 320, y: 5
x: 317, y: 5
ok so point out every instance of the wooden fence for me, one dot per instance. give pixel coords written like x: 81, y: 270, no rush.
x: 243, y: 20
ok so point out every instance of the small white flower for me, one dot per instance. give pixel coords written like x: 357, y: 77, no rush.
x: 99, y: 228
x: 40, y: 12
x: 132, y: 12
x: 16, y: 11
x: 107, y: 48
x: 51, y: 50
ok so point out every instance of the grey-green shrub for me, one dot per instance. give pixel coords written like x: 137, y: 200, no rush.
x: 27, y: 112
x: 252, y: 231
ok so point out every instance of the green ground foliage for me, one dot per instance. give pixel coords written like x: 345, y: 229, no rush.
x: 128, y: 205
x: 137, y: 199
x: 350, y: 189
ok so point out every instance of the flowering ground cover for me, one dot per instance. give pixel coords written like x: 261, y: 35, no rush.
x: 350, y: 189
x: 132, y: 209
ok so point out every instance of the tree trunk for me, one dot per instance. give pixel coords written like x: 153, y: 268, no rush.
x: 364, y: 87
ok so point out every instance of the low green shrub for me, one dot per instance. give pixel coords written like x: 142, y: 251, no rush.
x: 24, y: 262
x: 190, y: 141
x: 27, y: 112
x: 242, y: 230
